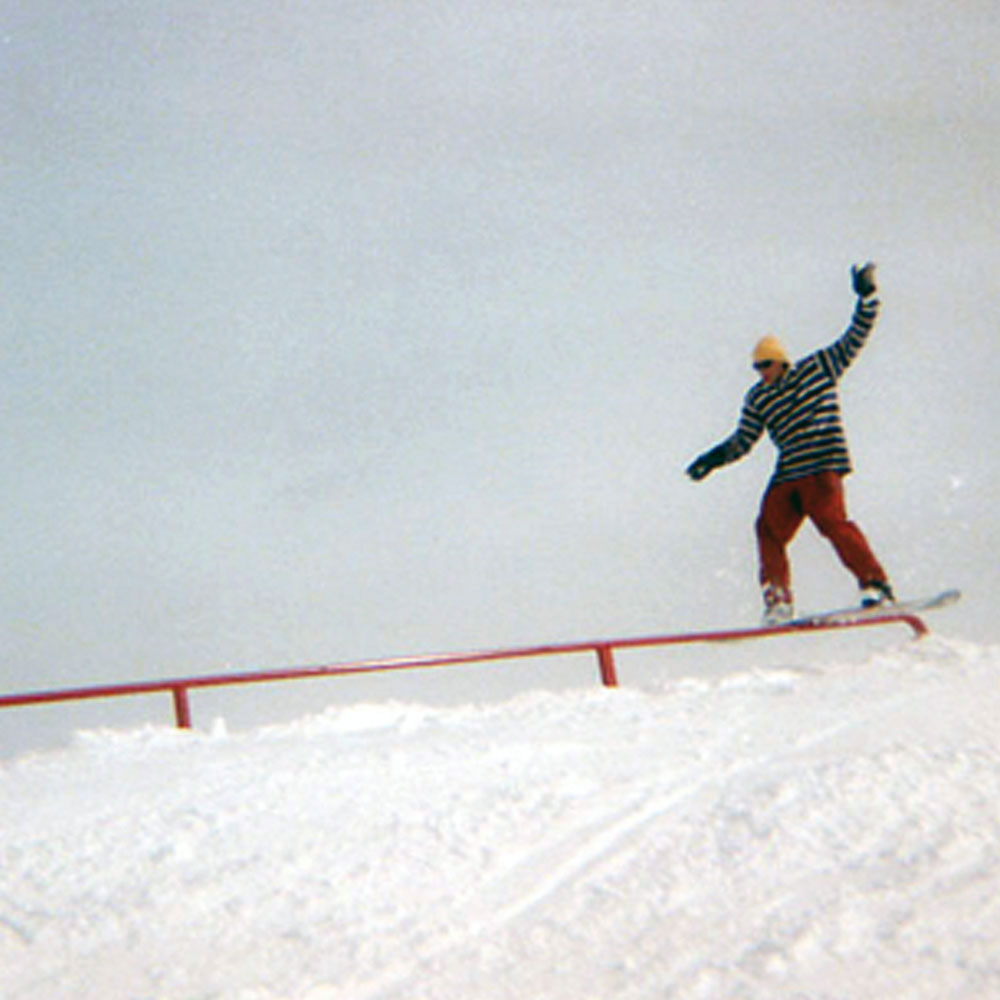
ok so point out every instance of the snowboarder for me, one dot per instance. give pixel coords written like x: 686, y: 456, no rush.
x: 799, y: 407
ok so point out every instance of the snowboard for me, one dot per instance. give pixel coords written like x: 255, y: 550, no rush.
x: 914, y: 605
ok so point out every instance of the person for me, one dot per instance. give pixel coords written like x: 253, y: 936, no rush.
x: 799, y: 406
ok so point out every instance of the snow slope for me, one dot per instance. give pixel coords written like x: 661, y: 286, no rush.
x: 820, y: 830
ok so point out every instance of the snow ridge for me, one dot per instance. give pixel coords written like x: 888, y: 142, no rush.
x: 820, y: 830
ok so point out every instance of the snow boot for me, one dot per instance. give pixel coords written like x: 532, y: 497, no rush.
x: 779, y: 607
x: 876, y: 593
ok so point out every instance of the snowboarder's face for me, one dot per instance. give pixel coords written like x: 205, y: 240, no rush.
x: 769, y: 371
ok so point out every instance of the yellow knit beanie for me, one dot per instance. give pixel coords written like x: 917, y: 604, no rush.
x: 769, y: 348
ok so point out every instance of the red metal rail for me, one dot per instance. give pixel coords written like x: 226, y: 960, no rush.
x: 178, y: 688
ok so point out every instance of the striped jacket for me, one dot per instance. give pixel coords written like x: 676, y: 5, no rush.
x: 801, y: 412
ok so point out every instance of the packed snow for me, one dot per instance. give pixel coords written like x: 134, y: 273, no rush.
x: 803, y: 827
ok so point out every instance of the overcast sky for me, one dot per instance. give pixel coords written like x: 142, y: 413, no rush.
x: 352, y: 328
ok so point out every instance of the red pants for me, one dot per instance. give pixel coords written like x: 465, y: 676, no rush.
x: 819, y: 497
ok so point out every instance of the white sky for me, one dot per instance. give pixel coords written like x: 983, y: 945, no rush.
x: 337, y: 330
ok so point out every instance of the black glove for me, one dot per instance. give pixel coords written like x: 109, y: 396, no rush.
x: 864, y: 279
x: 704, y: 464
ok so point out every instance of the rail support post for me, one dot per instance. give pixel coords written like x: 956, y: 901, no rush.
x: 606, y: 660
x: 182, y: 707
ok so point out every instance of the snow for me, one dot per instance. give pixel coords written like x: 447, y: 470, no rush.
x: 346, y: 331
x: 802, y: 827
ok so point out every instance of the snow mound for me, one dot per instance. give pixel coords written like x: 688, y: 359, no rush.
x: 825, y: 830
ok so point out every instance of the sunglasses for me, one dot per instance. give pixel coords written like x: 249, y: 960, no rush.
x: 763, y: 365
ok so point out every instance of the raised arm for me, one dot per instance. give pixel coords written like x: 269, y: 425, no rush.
x: 838, y: 356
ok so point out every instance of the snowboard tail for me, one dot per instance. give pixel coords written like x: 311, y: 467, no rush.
x: 911, y: 606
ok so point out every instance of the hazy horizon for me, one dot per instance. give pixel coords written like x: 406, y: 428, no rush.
x: 340, y: 331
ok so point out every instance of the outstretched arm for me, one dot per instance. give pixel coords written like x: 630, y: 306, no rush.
x: 734, y: 447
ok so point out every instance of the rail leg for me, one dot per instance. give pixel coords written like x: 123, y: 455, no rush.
x: 182, y: 708
x: 606, y: 660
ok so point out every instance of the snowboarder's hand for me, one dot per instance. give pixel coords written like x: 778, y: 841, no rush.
x: 863, y: 278
x: 704, y: 464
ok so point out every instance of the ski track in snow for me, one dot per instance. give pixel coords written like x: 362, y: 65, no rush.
x: 821, y: 831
